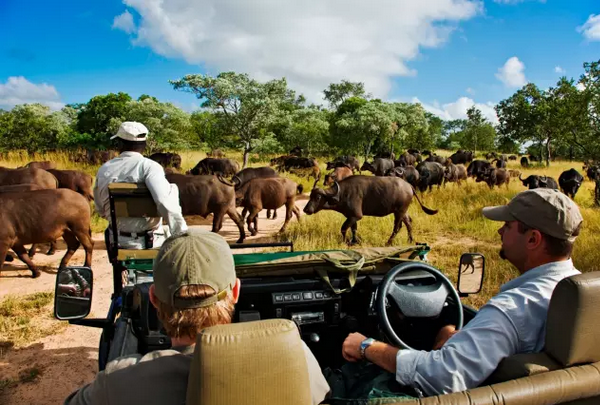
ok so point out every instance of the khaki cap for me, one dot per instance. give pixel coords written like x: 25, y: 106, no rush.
x: 131, y: 131
x: 547, y: 210
x: 195, y: 257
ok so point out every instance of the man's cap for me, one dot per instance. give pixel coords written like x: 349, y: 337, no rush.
x: 195, y: 257
x: 547, y: 210
x: 131, y: 131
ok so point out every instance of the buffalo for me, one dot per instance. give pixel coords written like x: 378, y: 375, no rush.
x: 43, y: 216
x: 24, y: 175
x: 357, y: 196
x: 75, y: 180
x: 514, y: 173
x: 592, y: 171
x: 203, y: 195
x: 385, y: 155
x: 216, y: 153
x: 297, y: 151
x: 437, y: 158
x: 535, y: 181
x: 430, y: 174
x: 250, y: 173
x: 491, y: 155
x: 500, y: 163
x: 461, y: 157
x: 379, y: 166
x: 524, y: 162
x: 41, y: 165
x: 167, y: 159
x: 270, y: 193
x: 309, y: 166
x: 570, y: 181
x: 512, y: 157
x: 338, y: 174
x: 455, y: 173
x: 223, y: 167
x: 409, y: 174
x: 494, y: 177
x: 348, y: 161
x: 477, y: 167
x: 426, y: 152
x: 406, y: 159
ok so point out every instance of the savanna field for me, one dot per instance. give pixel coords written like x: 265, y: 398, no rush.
x: 458, y: 227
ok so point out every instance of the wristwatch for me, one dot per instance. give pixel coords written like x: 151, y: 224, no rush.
x: 364, y: 344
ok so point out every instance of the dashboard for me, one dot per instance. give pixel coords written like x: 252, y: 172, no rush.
x: 324, y: 318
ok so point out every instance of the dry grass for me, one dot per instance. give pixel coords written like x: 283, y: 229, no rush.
x: 457, y: 228
x: 25, y: 319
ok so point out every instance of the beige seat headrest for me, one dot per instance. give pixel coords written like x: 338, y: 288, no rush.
x: 572, y: 328
x: 261, y: 362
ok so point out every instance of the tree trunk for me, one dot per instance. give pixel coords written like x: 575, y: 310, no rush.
x: 597, y: 193
x: 548, y: 152
x: 246, y: 154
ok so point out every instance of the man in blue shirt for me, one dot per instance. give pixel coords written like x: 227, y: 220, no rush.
x: 540, y: 228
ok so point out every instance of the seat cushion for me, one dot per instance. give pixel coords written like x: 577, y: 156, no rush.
x: 261, y: 362
x: 522, y: 365
x: 572, y: 329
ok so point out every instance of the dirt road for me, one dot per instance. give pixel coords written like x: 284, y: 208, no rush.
x: 68, y: 360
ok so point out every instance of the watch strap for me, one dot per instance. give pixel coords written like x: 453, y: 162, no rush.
x: 364, y: 345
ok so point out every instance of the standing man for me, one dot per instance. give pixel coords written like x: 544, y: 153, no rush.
x: 131, y: 167
x: 539, y: 231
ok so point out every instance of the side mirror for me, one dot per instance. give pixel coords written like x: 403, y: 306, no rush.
x: 470, y: 273
x: 73, y: 293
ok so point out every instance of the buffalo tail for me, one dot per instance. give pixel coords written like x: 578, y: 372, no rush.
x: 426, y: 210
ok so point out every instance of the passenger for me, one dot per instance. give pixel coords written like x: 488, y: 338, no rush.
x: 195, y: 286
x: 131, y: 167
x: 540, y: 228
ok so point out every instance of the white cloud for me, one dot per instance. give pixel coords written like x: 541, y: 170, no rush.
x: 124, y: 22
x: 560, y: 70
x: 312, y: 43
x: 580, y: 86
x: 512, y: 73
x: 18, y: 90
x: 591, y: 28
x: 458, y: 109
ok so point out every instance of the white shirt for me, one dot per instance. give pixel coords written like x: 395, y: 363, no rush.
x: 512, y: 322
x: 132, y: 167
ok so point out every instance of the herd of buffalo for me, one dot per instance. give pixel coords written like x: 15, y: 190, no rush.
x: 40, y: 203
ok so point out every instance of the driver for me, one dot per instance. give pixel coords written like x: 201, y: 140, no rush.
x: 72, y: 283
x: 539, y: 230
x: 195, y: 286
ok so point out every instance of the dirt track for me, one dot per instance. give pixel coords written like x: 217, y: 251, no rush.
x: 68, y: 360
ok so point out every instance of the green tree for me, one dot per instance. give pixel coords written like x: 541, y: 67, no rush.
x: 209, y: 129
x: 337, y: 93
x: 245, y: 106
x: 479, y: 134
x: 97, y: 117
x: 307, y: 128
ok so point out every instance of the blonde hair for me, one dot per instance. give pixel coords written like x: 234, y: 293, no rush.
x: 189, y: 322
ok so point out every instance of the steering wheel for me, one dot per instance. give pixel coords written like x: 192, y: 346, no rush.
x: 414, y: 301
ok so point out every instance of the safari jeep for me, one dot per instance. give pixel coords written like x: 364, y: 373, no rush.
x: 391, y: 294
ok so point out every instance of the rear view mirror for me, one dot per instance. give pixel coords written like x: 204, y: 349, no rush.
x: 73, y: 293
x: 470, y: 273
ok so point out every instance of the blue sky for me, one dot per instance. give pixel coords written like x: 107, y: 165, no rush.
x: 448, y: 54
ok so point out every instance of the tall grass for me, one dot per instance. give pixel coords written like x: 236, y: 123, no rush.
x: 458, y: 227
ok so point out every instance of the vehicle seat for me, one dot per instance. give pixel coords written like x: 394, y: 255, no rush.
x: 571, y: 351
x: 131, y: 200
x: 571, y: 332
x: 260, y: 362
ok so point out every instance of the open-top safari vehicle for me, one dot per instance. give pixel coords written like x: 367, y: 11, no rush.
x: 391, y: 294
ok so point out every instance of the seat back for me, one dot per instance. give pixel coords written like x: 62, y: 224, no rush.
x: 571, y: 331
x: 260, y: 362
x: 132, y: 200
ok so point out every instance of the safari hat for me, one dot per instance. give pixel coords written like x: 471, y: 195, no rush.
x: 195, y: 257
x: 547, y: 210
x: 131, y: 131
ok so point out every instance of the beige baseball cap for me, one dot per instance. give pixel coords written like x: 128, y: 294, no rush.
x: 547, y: 210
x: 131, y: 131
x: 195, y: 257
